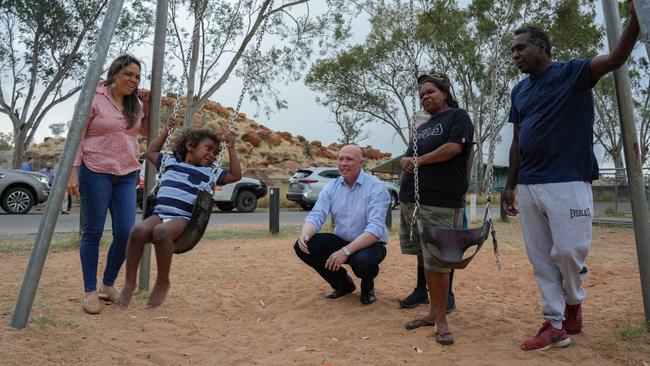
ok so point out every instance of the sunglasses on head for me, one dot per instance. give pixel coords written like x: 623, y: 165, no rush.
x: 434, y: 75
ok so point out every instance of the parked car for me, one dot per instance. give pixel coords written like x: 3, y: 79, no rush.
x: 242, y: 194
x: 306, y: 184
x: 20, y: 190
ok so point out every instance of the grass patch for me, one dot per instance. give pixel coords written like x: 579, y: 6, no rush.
x: 634, y: 331
x: 612, y: 212
x: 481, y: 199
x: 68, y: 345
x: 44, y: 320
x: 59, y: 242
x: 240, y: 234
x: 68, y: 241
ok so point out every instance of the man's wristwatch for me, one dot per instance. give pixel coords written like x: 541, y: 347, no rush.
x: 346, y: 251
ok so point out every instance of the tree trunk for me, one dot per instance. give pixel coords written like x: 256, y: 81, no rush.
x: 19, y: 147
x: 617, y: 158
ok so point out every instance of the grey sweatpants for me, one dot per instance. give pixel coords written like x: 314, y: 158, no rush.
x: 556, y: 222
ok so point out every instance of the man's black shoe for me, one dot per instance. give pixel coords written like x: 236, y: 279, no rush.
x: 368, y: 298
x: 338, y: 293
x: 417, y: 297
x: 451, y: 303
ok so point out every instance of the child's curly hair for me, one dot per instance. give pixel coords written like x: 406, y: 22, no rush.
x: 194, y: 135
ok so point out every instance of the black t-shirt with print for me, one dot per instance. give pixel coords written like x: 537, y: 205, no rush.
x: 442, y: 184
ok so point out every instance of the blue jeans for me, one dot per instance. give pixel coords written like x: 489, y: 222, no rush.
x: 99, y: 193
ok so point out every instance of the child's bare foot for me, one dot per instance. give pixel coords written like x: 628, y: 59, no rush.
x: 124, y: 299
x: 108, y: 293
x: 158, y: 294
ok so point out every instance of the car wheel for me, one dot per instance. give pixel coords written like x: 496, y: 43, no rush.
x: 18, y: 200
x: 246, y: 201
x: 225, y: 207
x: 393, y: 201
x: 307, y: 206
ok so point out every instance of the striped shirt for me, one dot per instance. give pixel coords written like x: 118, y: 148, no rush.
x: 106, y: 145
x: 180, y: 185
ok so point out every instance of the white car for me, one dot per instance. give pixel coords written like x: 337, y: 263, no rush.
x: 242, y: 195
x: 306, y: 184
x: 21, y: 190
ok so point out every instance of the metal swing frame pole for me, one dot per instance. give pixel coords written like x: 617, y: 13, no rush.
x: 79, y: 118
x: 640, y: 213
x: 157, y: 64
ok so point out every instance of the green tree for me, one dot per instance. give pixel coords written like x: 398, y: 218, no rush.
x: 6, y: 141
x: 45, y: 49
x: 57, y: 129
x: 641, y: 92
x: 350, y: 124
x: 469, y: 45
x: 376, y: 77
x: 226, y: 36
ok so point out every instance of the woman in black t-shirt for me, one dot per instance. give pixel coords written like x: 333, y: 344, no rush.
x: 444, y: 144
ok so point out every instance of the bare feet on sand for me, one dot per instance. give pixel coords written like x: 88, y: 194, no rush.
x: 124, y: 299
x: 158, y: 294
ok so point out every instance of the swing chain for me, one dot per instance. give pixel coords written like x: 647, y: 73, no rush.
x: 247, y: 80
x: 412, y: 122
x: 496, y: 74
x: 170, y: 133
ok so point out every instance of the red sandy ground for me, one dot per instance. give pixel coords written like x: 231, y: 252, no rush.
x: 252, y: 302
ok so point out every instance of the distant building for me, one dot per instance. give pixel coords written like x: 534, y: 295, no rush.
x: 393, y: 170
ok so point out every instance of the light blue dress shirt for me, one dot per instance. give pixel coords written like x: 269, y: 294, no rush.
x: 354, y: 210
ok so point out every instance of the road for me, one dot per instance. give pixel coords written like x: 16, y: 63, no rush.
x: 28, y: 224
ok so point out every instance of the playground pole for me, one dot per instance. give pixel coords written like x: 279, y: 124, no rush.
x: 154, y: 123
x: 632, y: 154
x: 53, y: 208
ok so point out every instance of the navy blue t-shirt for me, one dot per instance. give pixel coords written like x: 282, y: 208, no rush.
x: 555, y: 115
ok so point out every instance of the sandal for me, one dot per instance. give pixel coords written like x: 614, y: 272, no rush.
x: 417, y: 323
x: 91, y: 303
x: 445, y: 338
x: 108, y: 293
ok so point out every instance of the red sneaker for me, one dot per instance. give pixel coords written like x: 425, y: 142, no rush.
x: 547, y: 338
x: 572, y: 319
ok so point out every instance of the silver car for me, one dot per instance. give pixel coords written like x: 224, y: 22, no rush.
x: 306, y: 184
x: 21, y: 190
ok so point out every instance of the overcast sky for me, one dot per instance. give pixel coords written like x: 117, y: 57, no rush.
x: 302, y: 117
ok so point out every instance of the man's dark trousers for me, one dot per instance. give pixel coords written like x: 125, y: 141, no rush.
x: 364, y: 263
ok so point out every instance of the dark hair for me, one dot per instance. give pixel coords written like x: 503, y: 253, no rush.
x: 30, y: 158
x: 194, y: 136
x: 536, y: 36
x: 442, y: 84
x: 131, y: 101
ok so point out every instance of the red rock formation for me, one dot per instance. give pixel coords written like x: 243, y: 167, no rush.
x: 270, y: 137
x: 286, y: 136
x: 252, y: 137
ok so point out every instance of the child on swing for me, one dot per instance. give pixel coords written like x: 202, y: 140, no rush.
x: 186, y: 171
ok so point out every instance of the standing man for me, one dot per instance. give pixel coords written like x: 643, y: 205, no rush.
x: 27, y: 165
x: 552, y: 164
x: 66, y: 205
x: 358, y: 203
x: 48, y: 171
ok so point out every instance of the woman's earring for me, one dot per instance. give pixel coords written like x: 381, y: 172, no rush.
x: 113, y: 85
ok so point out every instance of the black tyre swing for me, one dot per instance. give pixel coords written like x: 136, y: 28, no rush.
x: 204, y: 201
x: 453, y: 243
